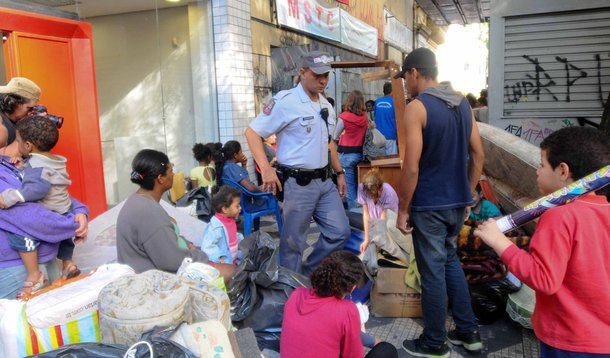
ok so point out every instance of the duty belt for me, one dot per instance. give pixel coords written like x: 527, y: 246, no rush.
x: 304, y: 176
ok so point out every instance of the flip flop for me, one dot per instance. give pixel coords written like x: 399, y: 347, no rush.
x: 69, y: 272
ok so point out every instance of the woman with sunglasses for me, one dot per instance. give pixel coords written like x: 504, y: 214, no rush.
x: 17, y: 99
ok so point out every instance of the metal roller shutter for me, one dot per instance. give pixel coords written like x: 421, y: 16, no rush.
x: 557, y: 65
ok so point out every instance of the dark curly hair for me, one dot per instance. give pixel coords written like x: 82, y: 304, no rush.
x: 224, y: 197
x: 39, y: 131
x: 10, y: 101
x: 202, y: 153
x: 337, y: 274
x: 583, y: 149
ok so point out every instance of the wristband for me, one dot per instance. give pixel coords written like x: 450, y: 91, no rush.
x: 342, y: 172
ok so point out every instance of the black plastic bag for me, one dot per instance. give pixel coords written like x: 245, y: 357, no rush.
x: 158, y: 339
x: 85, y: 350
x: 260, y: 288
x: 203, y: 203
x: 489, y: 300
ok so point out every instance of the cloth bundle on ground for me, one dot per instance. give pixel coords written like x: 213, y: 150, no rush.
x: 479, y: 262
x: 31, y: 220
x: 134, y: 304
x: 59, y: 316
x: 260, y: 288
x: 390, y: 248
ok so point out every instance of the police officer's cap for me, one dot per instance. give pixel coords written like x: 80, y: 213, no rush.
x: 317, y: 61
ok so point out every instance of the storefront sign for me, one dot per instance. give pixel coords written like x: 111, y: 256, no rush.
x: 358, y: 34
x: 310, y: 16
x: 397, y: 34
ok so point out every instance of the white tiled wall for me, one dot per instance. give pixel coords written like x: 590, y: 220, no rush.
x: 234, y: 75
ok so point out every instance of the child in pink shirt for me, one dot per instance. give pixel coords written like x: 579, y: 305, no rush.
x: 220, y: 238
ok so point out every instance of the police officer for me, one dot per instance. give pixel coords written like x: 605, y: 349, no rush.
x: 303, y: 120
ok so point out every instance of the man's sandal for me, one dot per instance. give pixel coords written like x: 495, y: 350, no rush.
x: 69, y: 272
x: 30, y: 287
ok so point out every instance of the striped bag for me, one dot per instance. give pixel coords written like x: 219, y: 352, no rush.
x: 62, y: 315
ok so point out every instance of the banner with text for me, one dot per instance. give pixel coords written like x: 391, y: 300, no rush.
x: 396, y: 33
x: 310, y: 16
x: 358, y: 34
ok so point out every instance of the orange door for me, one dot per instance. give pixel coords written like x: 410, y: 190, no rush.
x: 47, y: 61
x: 57, y: 55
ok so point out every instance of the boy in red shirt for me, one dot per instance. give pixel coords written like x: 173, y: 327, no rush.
x: 568, y: 264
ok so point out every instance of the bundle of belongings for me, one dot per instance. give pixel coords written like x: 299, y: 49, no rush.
x: 390, y: 261
x: 113, y: 312
x: 488, y: 278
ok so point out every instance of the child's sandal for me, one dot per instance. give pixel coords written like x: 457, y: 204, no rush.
x: 30, y: 287
x: 69, y: 272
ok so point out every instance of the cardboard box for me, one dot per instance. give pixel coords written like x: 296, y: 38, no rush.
x: 391, y: 297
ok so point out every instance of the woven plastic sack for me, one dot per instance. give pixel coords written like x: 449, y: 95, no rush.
x: 520, y: 306
x: 62, y: 315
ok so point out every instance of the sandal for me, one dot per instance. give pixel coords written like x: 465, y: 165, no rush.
x: 30, y: 287
x: 70, y: 272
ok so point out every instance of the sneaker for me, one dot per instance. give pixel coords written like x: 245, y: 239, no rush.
x: 470, y: 340
x: 419, y: 348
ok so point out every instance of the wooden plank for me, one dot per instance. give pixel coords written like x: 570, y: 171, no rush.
x: 386, y: 160
x: 375, y: 76
x: 363, y: 64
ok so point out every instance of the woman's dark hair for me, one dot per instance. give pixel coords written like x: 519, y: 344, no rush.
x: 146, y: 166
x: 224, y: 197
x: 202, y: 153
x: 227, y: 152
x: 583, y: 149
x: 10, y: 101
x: 38, y: 130
x: 337, y: 274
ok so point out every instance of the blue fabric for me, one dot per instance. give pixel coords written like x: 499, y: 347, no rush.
x: 318, y: 199
x: 21, y: 243
x: 488, y: 210
x: 235, y: 172
x: 547, y: 351
x: 349, y: 161
x: 435, y: 242
x: 443, y: 167
x: 66, y: 250
x: 12, y: 277
x: 385, y: 117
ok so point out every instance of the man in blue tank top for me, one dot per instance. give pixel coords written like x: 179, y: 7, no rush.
x: 441, y: 166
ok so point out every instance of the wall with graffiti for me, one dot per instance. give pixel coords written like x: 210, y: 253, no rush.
x: 549, y: 65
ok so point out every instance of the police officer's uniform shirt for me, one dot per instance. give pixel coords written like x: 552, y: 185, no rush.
x: 302, y: 136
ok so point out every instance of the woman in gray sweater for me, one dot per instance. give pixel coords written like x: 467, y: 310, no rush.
x: 146, y: 238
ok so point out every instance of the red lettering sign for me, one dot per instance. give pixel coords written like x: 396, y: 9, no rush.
x: 307, y: 7
x: 293, y: 8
